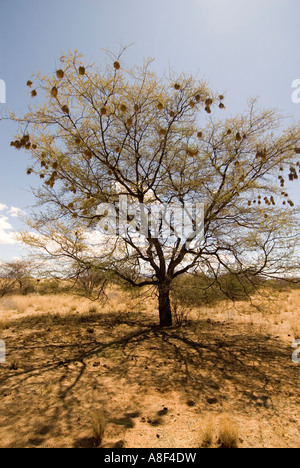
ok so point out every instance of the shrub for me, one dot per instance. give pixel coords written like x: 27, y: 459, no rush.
x: 228, y: 433
x: 98, y: 423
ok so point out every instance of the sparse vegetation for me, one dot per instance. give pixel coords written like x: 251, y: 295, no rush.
x: 208, y: 436
x: 228, y: 433
x: 198, y: 384
x: 98, y: 423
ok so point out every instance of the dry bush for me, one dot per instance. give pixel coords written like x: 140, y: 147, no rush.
x: 228, y: 433
x: 180, y: 312
x: 208, y: 436
x: 98, y: 423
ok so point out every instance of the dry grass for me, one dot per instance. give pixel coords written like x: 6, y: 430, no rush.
x: 98, y: 423
x: 228, y: 433
x: 167, y: 388
x: 208, y: 435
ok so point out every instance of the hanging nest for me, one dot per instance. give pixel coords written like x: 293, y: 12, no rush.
x: 229, y: 132
x: 261, y: 154
x: 177, y: 86
x: 34, y: 146
x: 208, y: 109
x: 208, y: 102
x: 221, y: 105
x: 197, y: 97
x: 17, y: 144
x: 55, y: 165
x: 117, y: 65
x: 162, y: 131
x: 81, y: 71
x: 199, y: 134
x: 60, y: 74
x: 129, y: 122
x: 160, y: 106
x: 238, y: 137
x: 118, y: 150
x: 136, y: 107
x: 29, y: 83
x: 29, y: 171
x: 192, y: 104
x: 34, y: 93
x: 221, y: 97
x: 54, y: 92
x: 297, y: 150
x: 88, y: 154
x: 172, y: 114
x: 123, y: 108
x: 65, y: 109
x: 103, y: 111
x: 77, y: 141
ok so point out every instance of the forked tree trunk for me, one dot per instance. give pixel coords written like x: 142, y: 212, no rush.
x: 165, y: 312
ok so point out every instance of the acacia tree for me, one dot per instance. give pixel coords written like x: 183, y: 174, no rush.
x: 97, y: 134
x: 15, y: 276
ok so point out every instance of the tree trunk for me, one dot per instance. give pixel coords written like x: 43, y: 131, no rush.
x: 165, y: 313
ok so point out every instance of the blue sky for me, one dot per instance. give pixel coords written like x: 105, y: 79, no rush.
x: 245, y: 48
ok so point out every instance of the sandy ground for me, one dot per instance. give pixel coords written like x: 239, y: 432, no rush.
x: 68, y: 360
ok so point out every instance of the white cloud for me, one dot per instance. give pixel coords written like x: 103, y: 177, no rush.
x: 6, y: 232
x: 15, y: 212
x: 4, y: 225
x: 7, y: 237
x: 3, y: 207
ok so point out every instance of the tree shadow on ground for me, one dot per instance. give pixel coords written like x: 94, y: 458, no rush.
x: 67, y: 365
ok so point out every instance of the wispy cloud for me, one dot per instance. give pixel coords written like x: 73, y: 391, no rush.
x: 7, y: 237
x: 3, y: 207
x: 4, y: 224
x: 6, y: 232
x: 15, y: 212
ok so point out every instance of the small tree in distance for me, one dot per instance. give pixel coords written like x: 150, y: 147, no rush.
x: 15, y: 277
x: 95, y: 135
